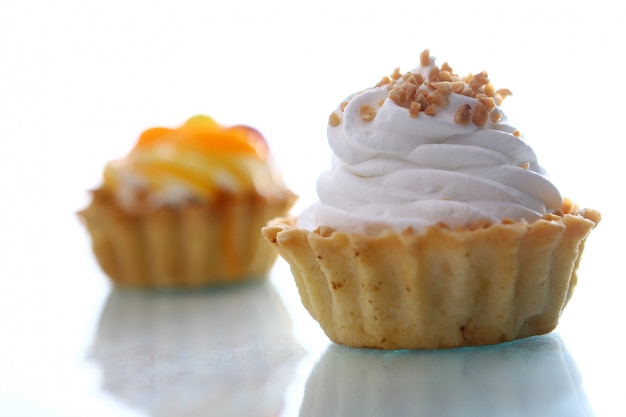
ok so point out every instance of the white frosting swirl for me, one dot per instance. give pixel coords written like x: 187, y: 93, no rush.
x: 401, y: 171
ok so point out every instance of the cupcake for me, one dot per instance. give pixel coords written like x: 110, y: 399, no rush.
x: 185, y: 207
x: 436, y: 227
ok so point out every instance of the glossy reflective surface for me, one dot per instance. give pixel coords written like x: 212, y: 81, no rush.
x: 178, y: 354
x: 533, y: 377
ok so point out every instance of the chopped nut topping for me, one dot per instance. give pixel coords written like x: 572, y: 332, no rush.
x: 409, y: 91
x: 468, y: 92
x: 517, y: 133
x: 425, y: 58
x: 343, y: 105
x: 443, y: 86
x: 416, y: 94
x: 504, y: 92
x: 384, y: 81
x: 463, y: 115
x: 525, y: 165
x: 481, y: 114
x: 433, y: 75
x: 421, y: 99
x: 475, y: 84
x: 445, y: 76
x: 334, y: 120
x: 482, y: 77
x: 411, y: 79
x: 495, y: 115
x: 501, y: 94
x: 568, y: 206
x: 438, y: 98
x: 381, y: 102
x: 488, y: 102
x: 367, y: 112
x: 490, y: 90
x: 430, y: 110
x: 457, y: 86
x: 396, y: 94
x: 414, y: 109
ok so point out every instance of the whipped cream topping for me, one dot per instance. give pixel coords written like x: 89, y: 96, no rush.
x: 424, y: 148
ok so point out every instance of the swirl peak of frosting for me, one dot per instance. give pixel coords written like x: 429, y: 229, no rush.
x: 428, y: 147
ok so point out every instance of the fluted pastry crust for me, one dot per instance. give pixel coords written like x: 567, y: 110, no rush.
x: 439, y: 289
x: 189, y: 245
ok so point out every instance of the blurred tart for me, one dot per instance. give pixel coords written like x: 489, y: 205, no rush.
x: 185, y: 207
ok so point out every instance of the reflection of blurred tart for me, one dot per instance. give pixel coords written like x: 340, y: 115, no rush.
x: 197, y: 353
x: 185, y: 207
x: 531, y: 377
x: 436, y: 225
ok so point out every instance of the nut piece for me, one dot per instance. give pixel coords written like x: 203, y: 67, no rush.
x: 501, y: 94
x: 414, y: 109
x: 445, y: 76
x: 384, y: 81
x: 422, y: 100
x: 409, y: 91
x: 488, y: 102
x: 482, y: 77
x: 367, y: 112
x: 463, y: 115
x: 430, y: 110
x: 495, y: 115
x: 438, y: 98
x: 425, y: 58
x: 443, y: 86
x: 334, y: 120
x: 416, y: 79
x: 480, y: 116
x: 457, y: 86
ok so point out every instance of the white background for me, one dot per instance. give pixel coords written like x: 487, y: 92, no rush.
x: 79, y: 80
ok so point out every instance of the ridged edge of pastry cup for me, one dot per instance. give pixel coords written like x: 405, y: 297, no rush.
x: 189, y: 245
x: 439, y: 289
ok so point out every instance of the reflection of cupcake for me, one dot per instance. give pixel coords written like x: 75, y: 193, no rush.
x: 436, y: 226
x: 197, y: 353
x: 531, y: 377
x: 185, y: 207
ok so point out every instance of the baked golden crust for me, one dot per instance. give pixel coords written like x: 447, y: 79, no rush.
x: 439, y: 289
x: 190, y: 245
